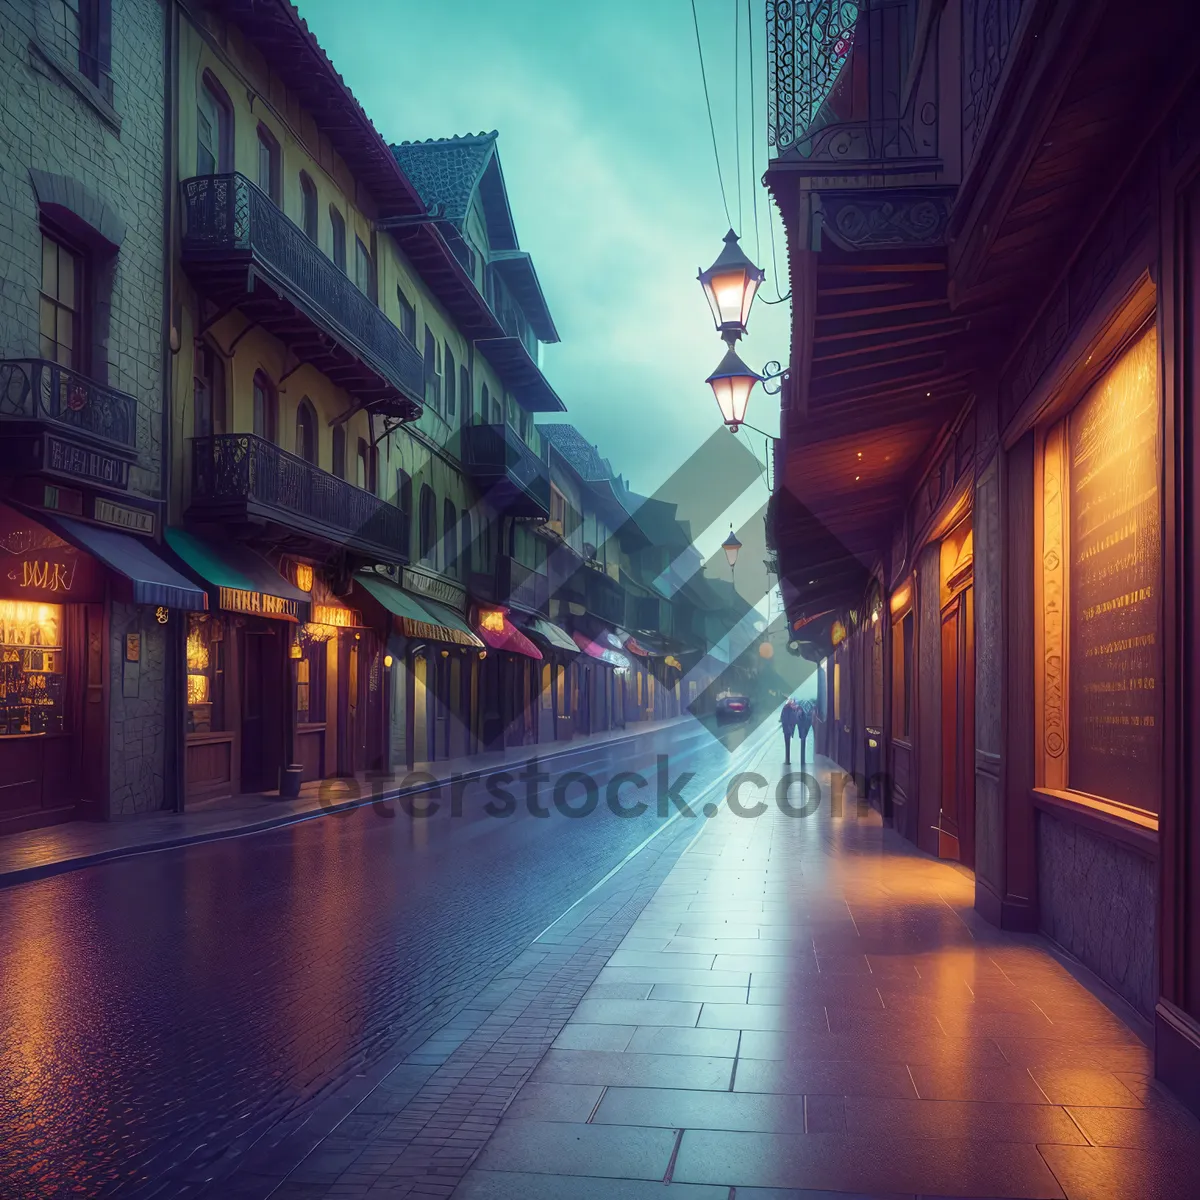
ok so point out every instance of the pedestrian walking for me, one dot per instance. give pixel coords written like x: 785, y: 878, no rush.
x: 803, y: 725
x: 787, y: 719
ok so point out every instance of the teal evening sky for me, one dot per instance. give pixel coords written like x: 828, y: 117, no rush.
x: 607, y: 155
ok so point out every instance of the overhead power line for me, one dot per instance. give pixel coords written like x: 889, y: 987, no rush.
x: 708, y: 105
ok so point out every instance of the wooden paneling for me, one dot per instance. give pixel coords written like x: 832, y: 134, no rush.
x: 208, y: 766
x: 928, y: 663
x: 310, y: 751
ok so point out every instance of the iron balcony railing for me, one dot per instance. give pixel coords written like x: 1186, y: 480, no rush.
x: 234, y: 470
x: 35, y: 389
x: 605, y: 597
x: 228, y: 216
x: 506, y: 469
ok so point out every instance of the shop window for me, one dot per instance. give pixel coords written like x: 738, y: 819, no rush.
x: 61, y: 320
x: 450, y: 538
x: 306, y: 431
x: 214, y: 140
x: 408, y: 316
x: 308, y: 206
x: 1105, y: 544
x: 339, y: 451
x: 451, y: 377
x: 264, y: 407
x: 427, y: 522
x: 547, y: 692
x: 31, y: 668
x: 837, y: 691
x: 310, y: 682
x: 205, y: 674
x: 208, y: 389
x: 337, y: 231
x: 269, y: 164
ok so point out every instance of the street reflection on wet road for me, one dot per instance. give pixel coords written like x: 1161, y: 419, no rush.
x: 160, y: 1012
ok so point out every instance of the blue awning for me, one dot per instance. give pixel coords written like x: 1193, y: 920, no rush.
x: 153, y: 580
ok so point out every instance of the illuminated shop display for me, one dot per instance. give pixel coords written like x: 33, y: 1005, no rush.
x: 205, y: 673
x: 31, y: 668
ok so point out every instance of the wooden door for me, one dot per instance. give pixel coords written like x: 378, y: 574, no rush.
x: 419, y: 711
x: 263, y: 693
x: 956, y: 824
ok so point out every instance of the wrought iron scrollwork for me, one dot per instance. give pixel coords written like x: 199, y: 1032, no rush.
x: 35, y: 389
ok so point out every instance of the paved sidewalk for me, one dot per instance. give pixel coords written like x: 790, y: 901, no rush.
x: 811, y: 1004
x: 74, y: 844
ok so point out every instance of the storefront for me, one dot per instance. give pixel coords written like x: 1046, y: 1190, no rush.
x: 555, y: 719
x: 602, y: 699
x: 68, y: 589
x: 241, y: 723
x: 511, y: 680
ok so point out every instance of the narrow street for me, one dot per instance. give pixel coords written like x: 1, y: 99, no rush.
x: 161, y: 1013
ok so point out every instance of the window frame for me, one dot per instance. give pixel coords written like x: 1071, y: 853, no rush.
x: 213, y: 383
x: 80, y: 314
x: 306, y: 415
x: 449, y: 537
x: 268, y: 407
x: 427, y: 535
x: 408, y: 315
x: 310, y: 207
x: 337, y: 236
x: 267, y: 143
x: 364, y: 269
x: 338, y: 457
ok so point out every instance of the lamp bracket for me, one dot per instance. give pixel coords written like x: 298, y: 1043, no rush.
x: 773, y: 373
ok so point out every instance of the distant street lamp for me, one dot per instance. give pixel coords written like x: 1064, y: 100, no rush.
x: 731, y: 546
x: 732, y: 382
x: 730, y: 285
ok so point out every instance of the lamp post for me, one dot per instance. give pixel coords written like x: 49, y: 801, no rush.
x: 730, y: 285
x: 731, y: 546
x: 732, y: 382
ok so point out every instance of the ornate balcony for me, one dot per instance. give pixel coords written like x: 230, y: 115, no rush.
x: 243, y: 252
x: 61, y: 422
x: 605, y: 597
x: 512, y: 477
x: 240, y: 479
x: 513, y: 584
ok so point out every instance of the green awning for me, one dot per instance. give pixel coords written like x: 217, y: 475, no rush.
x: 418, y: 618
x: 241, y: 578
x: 552, y: 635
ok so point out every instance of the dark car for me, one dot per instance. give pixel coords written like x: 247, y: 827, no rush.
x: 733, y: 708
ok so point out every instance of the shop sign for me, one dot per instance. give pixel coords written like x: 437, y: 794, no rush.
x: 69, y: 459
x: 37, y: 565
x: 336, y: 615
x: 136, y: 520
x: 440, y: 590
x: 258, y: 604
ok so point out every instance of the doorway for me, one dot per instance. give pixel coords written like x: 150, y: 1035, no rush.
x: 956, y: 824
x: 263, y: 692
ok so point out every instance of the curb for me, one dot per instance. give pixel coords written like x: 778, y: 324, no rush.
x: 64, y: 865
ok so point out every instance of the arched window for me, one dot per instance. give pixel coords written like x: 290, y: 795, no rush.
x: 337, y: 226
x: 362, y: 465
x: 451, y: 372
x: 308, y: 206
x: 339, y: 451
x: 306, y: 431
x: 264, y: 407
x: 270, y: 164
x: 214, y: 132
x: 450, y: 538
x: 209, y: 391
x: 464, y: 394
x: 466, y: 545
x: 427, y: 526
x: 484, y: 406
x: 404, y: 504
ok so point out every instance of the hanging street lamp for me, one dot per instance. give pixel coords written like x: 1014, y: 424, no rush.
x: 731, y: 546
x: 730, y: 285
x: 732, y: 382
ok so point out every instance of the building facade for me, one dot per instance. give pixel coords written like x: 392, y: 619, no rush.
x: 983, y: 501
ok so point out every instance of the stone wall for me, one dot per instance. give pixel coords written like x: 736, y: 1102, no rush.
x: 1098, y: 900
x: 136, y: 706
x: 58, y: 126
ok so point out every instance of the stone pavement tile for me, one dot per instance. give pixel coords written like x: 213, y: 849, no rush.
x: 871, y: 1047
x: 638, y: 1012
x: 556, y: 1101
x: 825, y: 1114
x: 1163, y: 1125
x: 1005, y: 1085
x: 1105, y: 1173
x: 817, y: 990
x: 666, y: 1039
x: 556, y: 1147
x: 890, y: 1022
x: 872, y: 1165
x: 513, y: 1185
x: 640, y: 958
x: 583, y: 1036
x: 680, y: 1109
x: 1030, y: 1052
x: 671, y: 974
x: 699, y: 993
x: 843, y: 1078
x: 808, y: 1194
x: 803, y: 959
x: 762, y: 1016
x: 767, y: 948
x: 619, y: 991
x: 634, y: 1070
x: 1078, y: 1085
x: 964, y: 1120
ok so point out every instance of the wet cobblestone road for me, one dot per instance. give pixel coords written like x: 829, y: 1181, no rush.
x: 159, y: 1014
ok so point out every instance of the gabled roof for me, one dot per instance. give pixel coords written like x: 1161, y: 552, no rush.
x: 447, y: 172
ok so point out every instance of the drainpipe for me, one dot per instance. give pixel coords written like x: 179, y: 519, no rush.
x: 174, y: 712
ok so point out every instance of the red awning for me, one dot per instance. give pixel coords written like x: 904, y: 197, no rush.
x: 633, y: 648
x: 509, y: 639
x: 614, y: 658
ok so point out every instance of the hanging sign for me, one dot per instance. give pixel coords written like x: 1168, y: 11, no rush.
x: 35, y: 564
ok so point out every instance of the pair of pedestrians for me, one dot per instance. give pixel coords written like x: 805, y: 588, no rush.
x: 794, y: 719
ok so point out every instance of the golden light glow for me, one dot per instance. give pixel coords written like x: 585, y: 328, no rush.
x: 387, y: 661
x: 197, y: 651
x: 25, y: 624
x: 491, y: 619
x: 294, y: 651
x: 333, y: 614
x: 317, y: 633
x: 482, y: 655
x: 900, y: 598
x: 197, y: 689
x: 304, y: 577
x: 838, y: 633
x: 766, y: 650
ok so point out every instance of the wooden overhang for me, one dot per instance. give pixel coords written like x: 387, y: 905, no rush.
x: 276, y: 29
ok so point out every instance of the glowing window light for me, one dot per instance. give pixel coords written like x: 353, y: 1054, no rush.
x: 492, y: 619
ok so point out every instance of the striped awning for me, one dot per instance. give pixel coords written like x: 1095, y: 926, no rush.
x: 418, y: 618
